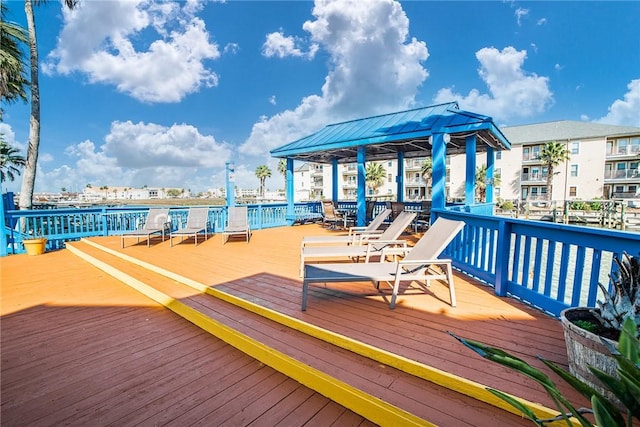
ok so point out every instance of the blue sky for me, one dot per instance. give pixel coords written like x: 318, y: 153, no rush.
x: 164, y: 93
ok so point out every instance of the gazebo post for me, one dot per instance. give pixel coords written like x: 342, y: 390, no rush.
x: 438, y: 154
x: 361, y: 200
x: 470, y: 181
x: 334, y: 180
x: 290, y: 193
x: 400, y: 178
x: 490, y: 174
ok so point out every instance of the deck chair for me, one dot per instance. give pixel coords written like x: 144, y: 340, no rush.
x: 356, y: 234
x: 396, y: 209
x: 389, y: 238
x: 420, y: 263
x: 237, y: 223
x: 330, y: 215
x: 157, y: 222
x: 197, y: 222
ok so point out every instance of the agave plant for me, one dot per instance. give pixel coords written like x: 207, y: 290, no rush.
x: 624, y: 299
x: 605, y: 411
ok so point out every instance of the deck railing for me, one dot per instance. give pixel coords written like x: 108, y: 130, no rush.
x: 551, y: 266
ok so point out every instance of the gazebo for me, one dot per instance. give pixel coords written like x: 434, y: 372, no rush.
x: 434, y: 131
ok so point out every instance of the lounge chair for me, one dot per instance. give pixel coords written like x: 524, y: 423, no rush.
x: 157, y: 222
x: 356, y: 234
x: 331, y: 216
x: 237, y: 223
x: 387, y: 239
x: 197, y: 222
x: 420, y: 263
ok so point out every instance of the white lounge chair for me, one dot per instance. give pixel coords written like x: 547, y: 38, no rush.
x: 237, y: 223
x: 355, y: 233
x: 157, y: 222
x: 387, y: 239
x: 420, y: 263
x: 197, y: 223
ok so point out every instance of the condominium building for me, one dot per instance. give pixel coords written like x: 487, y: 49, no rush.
x: 603, y: 163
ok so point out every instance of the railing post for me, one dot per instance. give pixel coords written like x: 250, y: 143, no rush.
x: 105, y: 232
x: 502, y: 258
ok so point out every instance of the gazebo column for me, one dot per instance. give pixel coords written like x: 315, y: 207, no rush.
x: 400, y: 178
x: 291, y: 211
x: 361, y: 199
x: 490, y: 174
x: 334, y: 180
x: 438, y: 177
x: 470, y: 182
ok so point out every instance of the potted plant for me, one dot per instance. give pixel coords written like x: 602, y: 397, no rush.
x: 591, y: 331
x: 624, y: 386
x: 35, y: 245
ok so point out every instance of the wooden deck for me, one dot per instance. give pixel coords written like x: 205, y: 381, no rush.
x: 81, y: 347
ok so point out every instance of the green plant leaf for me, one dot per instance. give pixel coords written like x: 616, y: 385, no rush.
x: 618, y: 388
x: 603, y: 415
x: 516, y: 404
x: 629, y: 344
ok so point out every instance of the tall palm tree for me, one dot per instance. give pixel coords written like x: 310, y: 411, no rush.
x: 374, y: 176
x: 282, y: 169
x: 10, y: 161
x: 263, y: 172
x: 427, y: 172
x: 13, y: 73
x: 29, y: 177
x: 551, y: 155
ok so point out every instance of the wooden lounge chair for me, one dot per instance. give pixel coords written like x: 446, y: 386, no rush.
x: 331, y: 216
x: 389, y: 238
x: 157, y: 222
x: 356, y: 234
x: 420, y: 263
x: 237, y: 223
x: 197, y: 222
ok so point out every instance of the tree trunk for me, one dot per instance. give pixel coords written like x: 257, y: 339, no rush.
x: 549, y: 182
x: 29, y: 175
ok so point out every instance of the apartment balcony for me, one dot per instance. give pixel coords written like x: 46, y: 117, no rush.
x: 350, y: 185
x: 623, y: 154
x: 415, y: 183
x: 622, y: 175
x: 531, y: 159
x: 533, y: 177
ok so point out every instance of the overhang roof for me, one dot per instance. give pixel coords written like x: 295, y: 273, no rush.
x: 386, y: 135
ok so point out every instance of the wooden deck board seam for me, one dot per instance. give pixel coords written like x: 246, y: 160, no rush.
x: 429, y: 373
x: 368, y: 406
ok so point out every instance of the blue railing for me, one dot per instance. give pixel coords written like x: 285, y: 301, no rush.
x: 551, y: 266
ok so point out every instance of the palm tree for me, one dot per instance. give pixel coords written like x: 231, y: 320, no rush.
x: 427, y: 172
x: 10, y: 161
x: 29, y: 177
x: 263, y: 172
x: 282, y: 169
x: 551, y: 155
x: 374, y: 176
x: 481, y: 182
x: 13, y: 74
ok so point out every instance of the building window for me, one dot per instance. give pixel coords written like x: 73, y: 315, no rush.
x: 498, y: 155
x: 634, y: 146
x: 573, y: 191
x: 622, y: 146
x: 609, y: 148
x: 389, y: 163
x: 574, y: 148
x: 574, y: 170
x: 525, y: 153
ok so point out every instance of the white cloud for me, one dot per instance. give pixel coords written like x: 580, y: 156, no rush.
x: 541, y: 21
x: 373, y: 68
x: 512, y: 91
x: 558, y: 67
x: 281, y: 46
x: 272, y: 100
x: 520, y: 13
x: 102, y: 40
x: 625, y: 111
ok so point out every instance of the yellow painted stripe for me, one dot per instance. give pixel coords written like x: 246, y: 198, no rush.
x: 370, y: 407
x: 429, y: 373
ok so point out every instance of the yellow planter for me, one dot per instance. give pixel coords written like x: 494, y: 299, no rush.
x: 35, y: 246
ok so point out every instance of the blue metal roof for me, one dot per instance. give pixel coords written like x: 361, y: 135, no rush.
x: 386, y: 135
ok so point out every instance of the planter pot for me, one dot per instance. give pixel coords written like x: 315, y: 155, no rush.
x: 35, y: 246
x: 587, y: 349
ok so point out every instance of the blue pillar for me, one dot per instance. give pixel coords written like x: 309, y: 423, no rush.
x: 470, y: 183
x: 439, y: 157
x: 400, y: 178
x: 3, y: 235
x: 334, y: 180
x: 361, y: 200
x: 230, y: 178
x: 290, y: 193
x: 490, y: 174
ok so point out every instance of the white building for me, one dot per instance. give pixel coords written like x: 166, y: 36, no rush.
x: 96, y: 194
x: 603, y: 163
